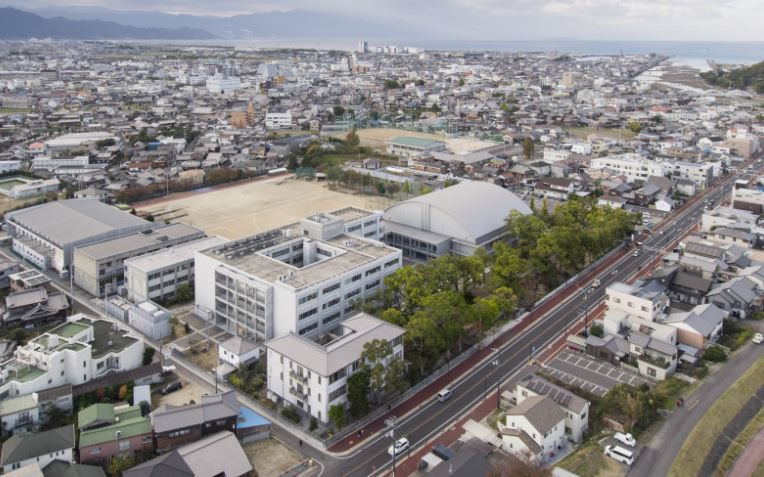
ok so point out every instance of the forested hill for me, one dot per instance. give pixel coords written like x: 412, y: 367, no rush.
x: 741, y: 78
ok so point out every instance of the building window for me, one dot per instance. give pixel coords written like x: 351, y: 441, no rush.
x: 124, y: 445
x: 95, y: 450
x: 307, y: 314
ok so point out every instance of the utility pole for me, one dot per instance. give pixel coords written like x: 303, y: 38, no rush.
x: 390, y: 421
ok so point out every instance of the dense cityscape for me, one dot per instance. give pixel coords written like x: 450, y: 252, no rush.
x: 378, y: 260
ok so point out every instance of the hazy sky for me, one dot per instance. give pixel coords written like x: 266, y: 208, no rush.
x: 741, y: 20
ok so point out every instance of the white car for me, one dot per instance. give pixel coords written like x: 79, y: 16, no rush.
x: 625, y: 439
x: 758, y: 338
x: 401, y: 446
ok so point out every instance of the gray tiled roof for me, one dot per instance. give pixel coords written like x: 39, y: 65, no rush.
x: 219, y: 406
x: 540, y: 411
x: 25, y: 445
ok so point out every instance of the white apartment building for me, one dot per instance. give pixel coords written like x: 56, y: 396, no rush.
x: 73, y: 353
x: 312, y: 375
x: 743, y: 194
x: 576, y: 408
x: 278, y: 120
x: 555, y: 155
x: 632, y: 165
x: 157, y: 276
x: 219, y: 84
x: 700, y: 174
x: 303, y: 278
x: 646, y: 302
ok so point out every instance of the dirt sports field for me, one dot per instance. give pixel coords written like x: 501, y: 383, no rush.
x: 253, y: 207
x: 376, y: 137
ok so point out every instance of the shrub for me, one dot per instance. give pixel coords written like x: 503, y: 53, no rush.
x: 596, y: 330
x: 313, y: 424
x: 291, y: 414
x: 715, y: 354
x: 148, y: 355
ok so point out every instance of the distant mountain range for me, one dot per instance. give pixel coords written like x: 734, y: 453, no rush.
x: 290, y: 24
x: 16, y: 24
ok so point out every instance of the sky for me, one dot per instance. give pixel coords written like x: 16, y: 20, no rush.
x: 678, y: 20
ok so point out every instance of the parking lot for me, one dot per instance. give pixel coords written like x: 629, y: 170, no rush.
x: 596, y: 377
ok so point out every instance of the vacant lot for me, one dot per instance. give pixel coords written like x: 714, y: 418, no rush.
x: 253, y: 207
x: 270, y: 457
x: 590, y: 461
x: 613, y: 133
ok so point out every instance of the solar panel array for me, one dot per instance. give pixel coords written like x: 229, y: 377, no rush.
x: 557, y: 395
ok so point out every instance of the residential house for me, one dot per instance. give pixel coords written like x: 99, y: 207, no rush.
x: 107, y: 430
x: 739, y: 296
x: 217, y: 455
x: 42, y: 448
x: 698, y: 327
x: 575, y: 407
x: 535, y: 428
x: 20, y: 412
x: 237, y: 351
x: 175, y: 426
x: 8, y: 268
x: 31, y: 308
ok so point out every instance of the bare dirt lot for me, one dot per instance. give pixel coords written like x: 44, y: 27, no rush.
x: 270, y: 457
x: 253, y: 207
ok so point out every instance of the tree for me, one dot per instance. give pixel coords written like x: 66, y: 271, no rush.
x: 338, y: 111
x: 528, y: 147
x: 352, y: 139
x: 597, y: 330
x: 715, y: 354
x: 374, y: 354
x: 337, y: 415
x: 435, y: 108
x: 358, y: 393
x: 635, y: 127
x: 19, y: 336
x: 392, y: 84
x: 120, y: 463
x: 395, y: 381
x: 184, y: 293
x: 122, y: 392
x: 148, y: 355
x: 461, y: 82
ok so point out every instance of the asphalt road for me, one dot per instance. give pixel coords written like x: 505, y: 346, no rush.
x: 420, y: 426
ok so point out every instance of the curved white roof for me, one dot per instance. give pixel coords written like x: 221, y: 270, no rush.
x: 467, y: 211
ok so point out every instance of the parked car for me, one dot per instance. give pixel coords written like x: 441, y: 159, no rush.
x: 758, y: 338
x: 400, y: 446
x: 172, y: 387
x: 596, y: 283
x: 620, y: 454
x: 626, y: 439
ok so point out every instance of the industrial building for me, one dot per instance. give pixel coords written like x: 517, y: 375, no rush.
x: 157, y: 276
x: 303, y: 278
x: 99, y: 267
x: 455, y: 220
x: 46, y: 235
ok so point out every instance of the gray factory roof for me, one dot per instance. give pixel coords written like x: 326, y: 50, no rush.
x: 137, y: 241
x: 68, y: 221
x: 478, y: 208
x: 173, y: 255
x: 342, y: 350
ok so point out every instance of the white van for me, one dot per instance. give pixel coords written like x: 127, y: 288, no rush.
x: 625, y: 439
x: 596, y: 283
x: 620, y: 454
x: 444, y: 395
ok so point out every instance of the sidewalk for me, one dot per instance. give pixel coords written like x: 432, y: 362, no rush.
x: 422, y: 397
x: 752, y: 456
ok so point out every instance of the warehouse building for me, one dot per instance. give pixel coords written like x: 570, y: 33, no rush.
x: 303, y: 278
x: 455, y: 220
x: 99, y: 268
x: 46, y: 235
x: 157, y: 276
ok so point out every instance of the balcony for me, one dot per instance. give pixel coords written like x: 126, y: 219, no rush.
x: 298, y: 377
x: 298, y: 394
x: 655, y: 361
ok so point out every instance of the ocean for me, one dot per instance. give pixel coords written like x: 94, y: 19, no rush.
x: 695, y: 53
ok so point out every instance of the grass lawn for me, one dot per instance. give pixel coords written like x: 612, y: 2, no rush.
x: 590, y: 461
x: 736, y: 447
x: 701, y: 439
x: 613, y: 133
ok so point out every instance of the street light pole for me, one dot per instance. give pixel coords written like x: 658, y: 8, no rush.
x: 390, y: 421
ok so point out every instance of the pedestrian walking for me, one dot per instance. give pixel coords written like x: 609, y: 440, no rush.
x: 300, y: 442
